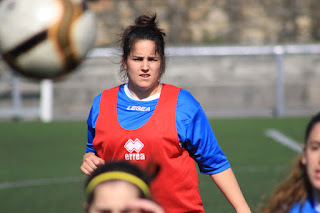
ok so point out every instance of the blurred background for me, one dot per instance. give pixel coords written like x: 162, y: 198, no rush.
x: 252, y: 65
x: 237, y: 58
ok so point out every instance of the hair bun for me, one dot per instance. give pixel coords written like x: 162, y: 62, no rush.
x: 146, y: 21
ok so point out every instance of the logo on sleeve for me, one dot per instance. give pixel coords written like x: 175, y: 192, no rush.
x: 134, y: 148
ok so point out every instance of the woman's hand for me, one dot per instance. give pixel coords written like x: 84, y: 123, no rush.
x: 90, y: 163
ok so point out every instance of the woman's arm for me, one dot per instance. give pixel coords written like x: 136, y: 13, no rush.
x: 90, y: 160
x: 228, y: 185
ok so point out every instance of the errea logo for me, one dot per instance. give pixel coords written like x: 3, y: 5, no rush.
x: 132, y: 146
x: 135, y: 145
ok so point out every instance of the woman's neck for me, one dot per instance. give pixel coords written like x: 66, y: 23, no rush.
x: 142, y: 93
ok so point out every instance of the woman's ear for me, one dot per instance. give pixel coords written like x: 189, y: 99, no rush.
x: 124, y: 63
x: 163, y: 64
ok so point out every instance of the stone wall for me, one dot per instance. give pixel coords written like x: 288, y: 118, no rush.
x: 216, y: 22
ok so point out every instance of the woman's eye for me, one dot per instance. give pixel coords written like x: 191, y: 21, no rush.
x: 105, y: 211
x: 314, y: 146
x: 126, y: 211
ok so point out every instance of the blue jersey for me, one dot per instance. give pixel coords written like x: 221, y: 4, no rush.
x: 193, y: 128
x: 306, y: 207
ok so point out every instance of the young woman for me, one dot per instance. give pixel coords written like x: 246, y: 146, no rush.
x: 118, y: 187
x: 300, y: 192
x: 147, y: 121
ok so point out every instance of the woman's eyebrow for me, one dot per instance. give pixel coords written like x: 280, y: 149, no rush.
x: 314, y: 141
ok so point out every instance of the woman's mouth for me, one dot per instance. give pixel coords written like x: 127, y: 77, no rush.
x: 144, y: 75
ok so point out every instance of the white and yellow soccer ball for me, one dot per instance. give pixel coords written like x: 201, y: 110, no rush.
x: 45, y: 39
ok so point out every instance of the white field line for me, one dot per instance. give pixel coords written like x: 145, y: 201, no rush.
x: 284, y: 140
x: 63, y: 180
x: 40, y: 182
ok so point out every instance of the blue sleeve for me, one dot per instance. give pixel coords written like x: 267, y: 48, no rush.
x: 196, y: 135
x: 91, y: 122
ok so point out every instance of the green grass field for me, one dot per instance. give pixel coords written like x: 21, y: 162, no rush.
x: 39, y: 163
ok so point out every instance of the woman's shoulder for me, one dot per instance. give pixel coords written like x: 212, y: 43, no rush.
x: 187, y: 101
x: 96, y: 99
x: 188, y: 108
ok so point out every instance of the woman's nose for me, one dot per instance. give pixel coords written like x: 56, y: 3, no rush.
x: 145, y: 65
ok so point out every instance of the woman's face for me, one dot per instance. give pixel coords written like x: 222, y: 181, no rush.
x: 112, y: 197
x: 311, y: 156
x: 144, y: 67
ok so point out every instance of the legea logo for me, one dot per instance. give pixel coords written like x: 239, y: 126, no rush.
x: 138, y: 108
x: 132, y: 146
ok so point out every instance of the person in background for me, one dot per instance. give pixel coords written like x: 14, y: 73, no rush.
x: 144, y: 120
x: 118, y: 187
x: 300, y: 191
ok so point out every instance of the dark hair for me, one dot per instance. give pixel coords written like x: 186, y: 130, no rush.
x: 314, y: 120
x: 144, y: 28
x: 120, y: 166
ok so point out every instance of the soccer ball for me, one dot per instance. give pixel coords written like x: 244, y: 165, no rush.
x: 45, y: 39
